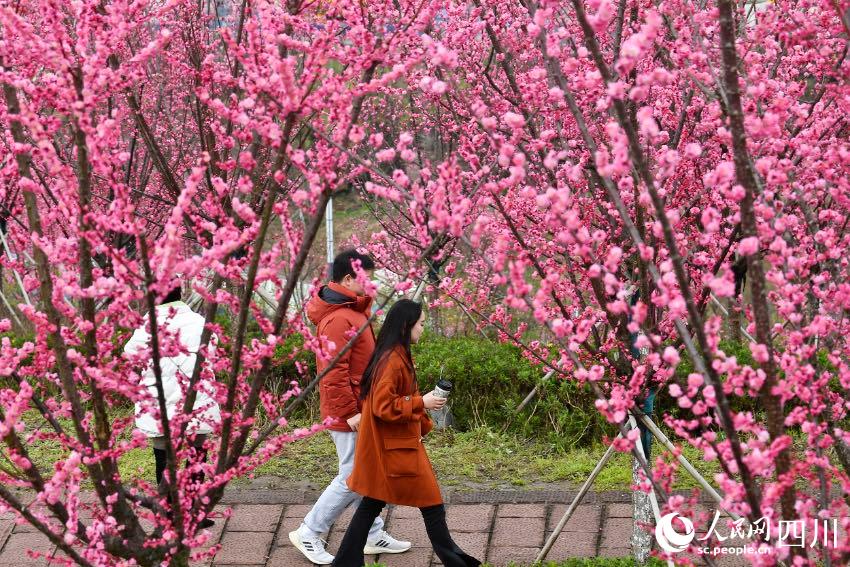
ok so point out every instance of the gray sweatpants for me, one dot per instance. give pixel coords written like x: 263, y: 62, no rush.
x: 337, y: 496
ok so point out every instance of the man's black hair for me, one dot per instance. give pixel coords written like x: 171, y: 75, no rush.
x: 175, y: 294
x: 342, y: 264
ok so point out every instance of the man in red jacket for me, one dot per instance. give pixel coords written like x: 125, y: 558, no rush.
x: 339, y: 310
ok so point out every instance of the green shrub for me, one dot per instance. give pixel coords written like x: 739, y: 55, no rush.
x: 486, y: 376
x: 491, y: 379
x: 740, y: 351
x: 291, y: 352
x: 288, y: 356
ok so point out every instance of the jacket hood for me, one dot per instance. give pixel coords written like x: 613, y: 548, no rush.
x: 333, y: 297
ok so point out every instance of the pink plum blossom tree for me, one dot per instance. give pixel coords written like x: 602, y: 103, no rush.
x: 148, y: 145
x: 652, y: 175
x: 630, y: 176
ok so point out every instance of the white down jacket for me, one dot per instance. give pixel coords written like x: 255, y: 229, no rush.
x: 188, y: 326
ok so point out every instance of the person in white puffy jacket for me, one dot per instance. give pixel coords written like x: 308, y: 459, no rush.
x: 174, y: 317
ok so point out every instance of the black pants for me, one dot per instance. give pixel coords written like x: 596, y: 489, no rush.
x: 159, y: 456
x: 350, y: 552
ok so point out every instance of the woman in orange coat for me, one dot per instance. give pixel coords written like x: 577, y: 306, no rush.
x: 390, y: 462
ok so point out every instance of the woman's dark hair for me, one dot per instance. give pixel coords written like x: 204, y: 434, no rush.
x: 396, y: 331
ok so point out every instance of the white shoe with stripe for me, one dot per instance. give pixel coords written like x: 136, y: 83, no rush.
x: 385, y: 543
x: 312, y: 547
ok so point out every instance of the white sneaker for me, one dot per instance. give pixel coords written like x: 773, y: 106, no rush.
x: 385, y: 543
x: 312, y: 547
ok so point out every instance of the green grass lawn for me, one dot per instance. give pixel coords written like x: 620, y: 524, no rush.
x: 480, y: 459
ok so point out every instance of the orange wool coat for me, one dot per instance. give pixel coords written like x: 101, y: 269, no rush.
x: 390, y: 462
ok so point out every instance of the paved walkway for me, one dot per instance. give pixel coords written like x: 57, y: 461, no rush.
x: 497, y: 525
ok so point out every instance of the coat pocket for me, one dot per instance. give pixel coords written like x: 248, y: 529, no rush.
x: 401, y: 456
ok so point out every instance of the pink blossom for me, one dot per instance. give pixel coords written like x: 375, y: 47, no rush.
x: 387, y: 154
x: 513, y: 120
x: 748, y: 246
x: 759, y: 353
x: 693, y: 150
x: 671, y: 356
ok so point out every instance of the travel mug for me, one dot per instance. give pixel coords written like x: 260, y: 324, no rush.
x: 443, y: 388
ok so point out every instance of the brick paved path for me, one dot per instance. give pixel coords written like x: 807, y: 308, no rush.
x: 499, y: 529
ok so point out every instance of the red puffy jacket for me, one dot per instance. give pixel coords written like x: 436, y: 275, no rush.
x: 338, y: 313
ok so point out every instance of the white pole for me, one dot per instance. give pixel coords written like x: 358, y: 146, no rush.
x: 419, y: 289
x: 15, y: 272
x: 329, y: 233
